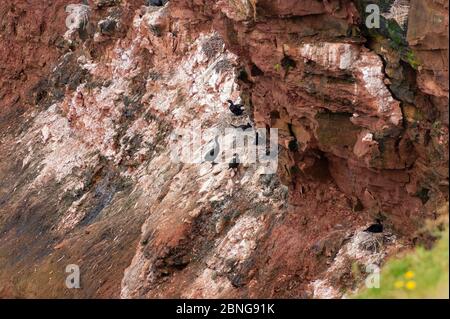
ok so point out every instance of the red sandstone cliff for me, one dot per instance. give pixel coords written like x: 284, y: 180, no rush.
x: 86, y: 115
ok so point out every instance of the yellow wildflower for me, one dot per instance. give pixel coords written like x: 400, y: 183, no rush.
x: 411, y: 285
x: 409, y: 275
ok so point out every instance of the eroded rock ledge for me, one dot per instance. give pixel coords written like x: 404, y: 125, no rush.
x: 87, y: 111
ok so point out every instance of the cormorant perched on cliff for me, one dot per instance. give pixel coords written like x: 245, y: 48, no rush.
x: 155, y: 3
x: 243, y: 127
x: 375, y: 228
x: 236, y: 109
x: 234, y: 162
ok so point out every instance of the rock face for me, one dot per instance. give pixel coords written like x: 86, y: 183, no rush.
x: 93, y: 95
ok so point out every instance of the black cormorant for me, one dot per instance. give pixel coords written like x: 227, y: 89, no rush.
x: 234, y: 162
x: 156, y: 3
x: 243, y: 127
x: 236, y: 109
x: 375, y: 228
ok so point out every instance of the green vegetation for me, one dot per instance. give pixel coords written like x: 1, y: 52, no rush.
x: 412, y: 60
x: 421, y: 273
x: 396, y: 34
